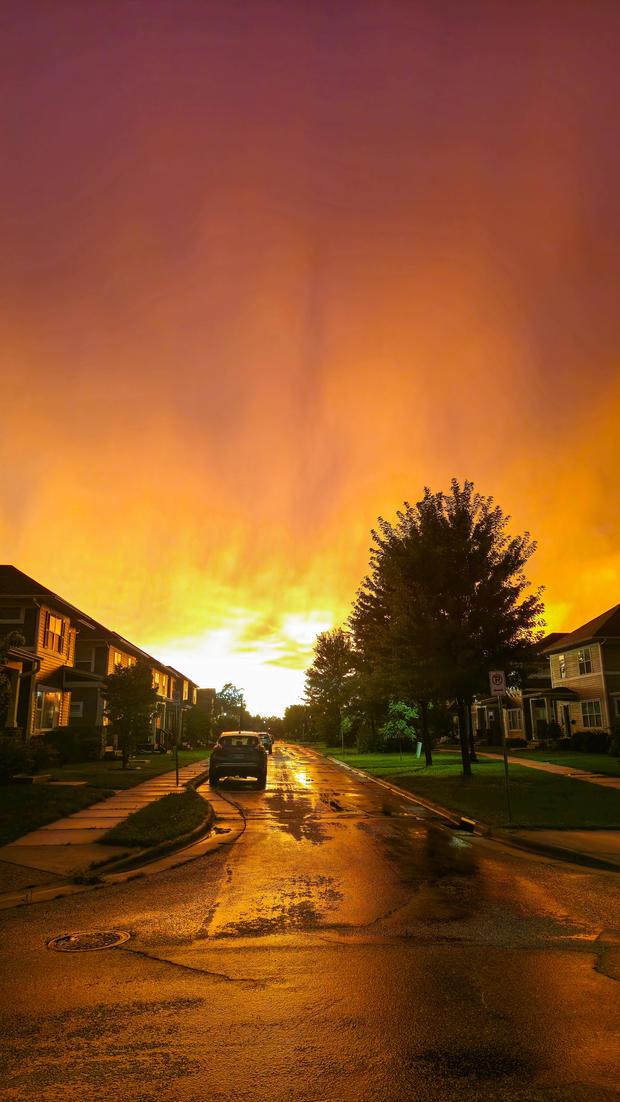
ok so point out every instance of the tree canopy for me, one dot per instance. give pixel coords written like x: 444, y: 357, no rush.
x: 131, y: 703
x: 329, y: 679
x: 444, y: 600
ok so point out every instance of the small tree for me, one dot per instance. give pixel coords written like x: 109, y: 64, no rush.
x: 131, y: 704
x: 400, y: 725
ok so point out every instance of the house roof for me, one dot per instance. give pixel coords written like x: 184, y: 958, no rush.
x: 605, y: 626
x: 14, y: 583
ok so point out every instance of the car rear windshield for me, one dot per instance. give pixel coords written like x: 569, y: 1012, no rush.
x: 239, y: 740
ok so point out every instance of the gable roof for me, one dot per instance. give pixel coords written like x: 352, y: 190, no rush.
x: 605, y: 626
x: 14, y: 583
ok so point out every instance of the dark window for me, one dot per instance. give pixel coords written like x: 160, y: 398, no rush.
x: 11, y: 614
x: 591, y: 713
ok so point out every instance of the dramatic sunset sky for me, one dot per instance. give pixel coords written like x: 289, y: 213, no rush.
x: 267, y: 269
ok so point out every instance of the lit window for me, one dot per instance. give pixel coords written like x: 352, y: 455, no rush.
x: 585, y: 660
x: 591, y: 713
x: 47, y: 710
x: 562, y: 666
x: 118, y: 658
x: 54, y: 633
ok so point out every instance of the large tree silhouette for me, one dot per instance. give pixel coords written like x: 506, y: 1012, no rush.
x: 444, y: 601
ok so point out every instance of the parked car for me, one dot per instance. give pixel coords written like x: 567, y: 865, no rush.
x: 238, y: 754
x: 266, y: 740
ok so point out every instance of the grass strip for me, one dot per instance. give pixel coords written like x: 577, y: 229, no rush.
x: 166, y: 819
x: 538, y: 799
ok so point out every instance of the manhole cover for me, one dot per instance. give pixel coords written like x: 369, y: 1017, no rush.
x: 83, y: 943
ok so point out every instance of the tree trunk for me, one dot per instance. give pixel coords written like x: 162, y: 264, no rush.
x: 470, y: 733
x: 426, y: 739
x: 461, y: 704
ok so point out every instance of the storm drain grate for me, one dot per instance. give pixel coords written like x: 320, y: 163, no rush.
x: 84, y: 943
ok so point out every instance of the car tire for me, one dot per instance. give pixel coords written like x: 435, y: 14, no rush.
x: 212, y: 777
x: 262, y: 780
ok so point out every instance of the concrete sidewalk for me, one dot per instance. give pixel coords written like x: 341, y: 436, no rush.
x: 68, y: 847
x: 551, y: 767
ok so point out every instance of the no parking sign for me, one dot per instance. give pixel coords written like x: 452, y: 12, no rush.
x: 497, y: 681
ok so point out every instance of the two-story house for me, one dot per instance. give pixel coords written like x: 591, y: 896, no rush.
x: 56, y: 676
x: 99, y: 652
x: 585, y: 674
x: 528, y: 708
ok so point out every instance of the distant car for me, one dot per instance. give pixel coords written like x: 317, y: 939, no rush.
x: 238, y: 754
x: 266, y: 740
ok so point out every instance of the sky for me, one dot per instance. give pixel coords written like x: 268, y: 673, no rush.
x: 271, y: 267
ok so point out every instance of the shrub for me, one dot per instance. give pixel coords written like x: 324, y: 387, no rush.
x: 368, y: 741
x: 591, y: 741
x: 403, y: 745
x: 564, y: 743
x: 14, y: 758
x: 74, y: 744
x: 515, y: 742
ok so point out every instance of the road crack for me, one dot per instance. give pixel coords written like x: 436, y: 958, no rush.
x: 242, y: 981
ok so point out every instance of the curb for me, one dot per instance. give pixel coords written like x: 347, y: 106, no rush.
x: 129, y: 867
x: 462, y: 822
x: 145, y: 856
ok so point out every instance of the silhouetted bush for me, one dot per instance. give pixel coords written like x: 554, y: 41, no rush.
x: 14, y: 758
x: 590, y: 741
x: 564, y: 743
x: 74, y: 744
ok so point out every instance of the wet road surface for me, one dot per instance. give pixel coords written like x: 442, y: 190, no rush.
x: 347, y: 946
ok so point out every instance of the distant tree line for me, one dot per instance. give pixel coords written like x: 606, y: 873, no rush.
x: 444, y: 602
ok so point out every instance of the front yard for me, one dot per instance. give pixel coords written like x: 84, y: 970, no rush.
x: 538, y: 799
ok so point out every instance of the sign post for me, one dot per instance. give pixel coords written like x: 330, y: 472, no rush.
x: 497, y: 684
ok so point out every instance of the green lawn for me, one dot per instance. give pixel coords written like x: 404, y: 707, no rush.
x: 110, y: 774
x: 24, y: 807
x: 538, y: 799
x: 171, y: 817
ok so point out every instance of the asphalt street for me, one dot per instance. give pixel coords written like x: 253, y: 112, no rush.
x: 346, y: 946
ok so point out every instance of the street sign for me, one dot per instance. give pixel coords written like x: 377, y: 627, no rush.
x: 497, y: 682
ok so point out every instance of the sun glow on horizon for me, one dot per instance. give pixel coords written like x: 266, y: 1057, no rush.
x: 219, y: 378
